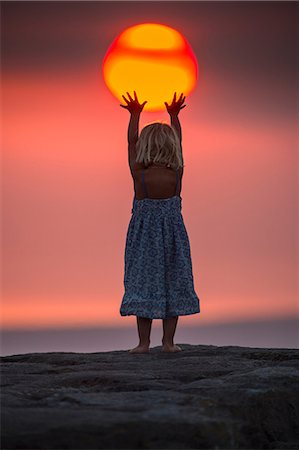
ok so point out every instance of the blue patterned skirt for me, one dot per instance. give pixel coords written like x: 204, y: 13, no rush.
x: 158, y: 276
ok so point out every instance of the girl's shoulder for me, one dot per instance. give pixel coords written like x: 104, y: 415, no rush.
x: 136, y: 169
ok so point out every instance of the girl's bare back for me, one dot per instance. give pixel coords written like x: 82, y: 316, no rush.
x: 160, y: 181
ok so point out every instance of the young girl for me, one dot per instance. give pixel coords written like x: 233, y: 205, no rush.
x: 158, y: 276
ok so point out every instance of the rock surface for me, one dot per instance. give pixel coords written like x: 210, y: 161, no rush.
x: 204, y: 397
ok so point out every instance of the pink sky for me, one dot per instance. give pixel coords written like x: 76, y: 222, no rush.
x: 67, y: 190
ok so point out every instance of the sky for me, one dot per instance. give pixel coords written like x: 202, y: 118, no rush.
x: 67, y: 190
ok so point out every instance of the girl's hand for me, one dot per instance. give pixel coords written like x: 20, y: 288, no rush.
x: 133, y: 105
x: 175, y: 107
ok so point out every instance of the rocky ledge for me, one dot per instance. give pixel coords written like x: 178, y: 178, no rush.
x: 204, y: 397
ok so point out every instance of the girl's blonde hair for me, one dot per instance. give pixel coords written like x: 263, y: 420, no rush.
x: 159, y: 142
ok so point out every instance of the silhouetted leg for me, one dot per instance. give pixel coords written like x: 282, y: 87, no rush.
x: 144, y: 330
x: 144, y: 326
x: 169, y: 327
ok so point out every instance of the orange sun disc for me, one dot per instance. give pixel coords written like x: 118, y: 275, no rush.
x: 152, y: 59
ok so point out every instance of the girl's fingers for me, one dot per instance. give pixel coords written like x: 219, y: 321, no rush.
x: 129, y: 96
x: 135, y: 96
x: 125, y: 98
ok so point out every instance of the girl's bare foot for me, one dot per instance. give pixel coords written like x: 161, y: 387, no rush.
x: 171, y: 348
x: 140, y: 349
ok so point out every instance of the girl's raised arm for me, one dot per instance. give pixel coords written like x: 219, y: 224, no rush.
x: 175, y: 123
x: 135, y: 109
x: 173, y: 111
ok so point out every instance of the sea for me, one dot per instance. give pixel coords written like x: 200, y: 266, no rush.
x: 274, y: 333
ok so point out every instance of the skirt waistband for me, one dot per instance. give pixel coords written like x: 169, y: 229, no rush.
x: 167, y: 205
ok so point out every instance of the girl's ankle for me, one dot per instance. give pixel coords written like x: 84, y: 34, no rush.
x: 168, y: 343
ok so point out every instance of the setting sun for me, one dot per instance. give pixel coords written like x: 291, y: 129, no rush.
x: 154, y: 60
